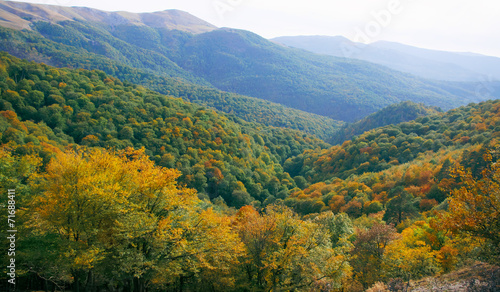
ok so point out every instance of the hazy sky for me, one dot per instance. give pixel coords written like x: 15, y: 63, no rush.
x: 453, y: 25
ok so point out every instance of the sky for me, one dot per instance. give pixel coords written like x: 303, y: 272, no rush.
x: 450, y: 25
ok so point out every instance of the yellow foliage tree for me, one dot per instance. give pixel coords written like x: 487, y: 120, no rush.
x: 474, y: 208
x: 409, y: 257
x: 120, y: 215
x: 286, y: 253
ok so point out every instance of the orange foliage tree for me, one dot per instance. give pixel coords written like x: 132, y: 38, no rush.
x: 474, y: 208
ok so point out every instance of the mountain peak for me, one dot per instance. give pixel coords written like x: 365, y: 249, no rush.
x: 19, y: 15
x: 176, y: 19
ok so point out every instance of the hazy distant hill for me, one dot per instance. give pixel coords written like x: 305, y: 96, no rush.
x: 243, y: 62
x: 232, y: 60
x: 426, y: 63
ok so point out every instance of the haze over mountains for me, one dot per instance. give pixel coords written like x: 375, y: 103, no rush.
x: 174, y: 44
x: 426, y: 63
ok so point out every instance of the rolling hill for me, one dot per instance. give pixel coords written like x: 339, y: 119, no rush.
x: 393, y: 114
x: 167, y: 79
x: 228, y: 59
x: 94, y: 109
x: 92, y: 158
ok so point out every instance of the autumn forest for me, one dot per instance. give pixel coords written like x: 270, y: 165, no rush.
x: 125, y: 177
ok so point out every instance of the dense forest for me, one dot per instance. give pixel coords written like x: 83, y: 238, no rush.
x: 32, y: 46
x: 393, y: 114
x: 120, y: 188
x: 157, y: 152
x: 216, y: 154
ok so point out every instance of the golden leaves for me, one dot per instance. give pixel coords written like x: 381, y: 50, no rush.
x: 474, y: 208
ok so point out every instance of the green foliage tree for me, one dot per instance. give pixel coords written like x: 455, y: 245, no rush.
x: 403, y: 205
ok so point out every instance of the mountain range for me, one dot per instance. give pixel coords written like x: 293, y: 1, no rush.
x: 431, y: 64
x: 176, y: 45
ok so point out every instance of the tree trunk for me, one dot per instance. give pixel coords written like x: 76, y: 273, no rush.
x: 76, y: 286
x: 138, y: 285
x: 90, y: 281
x: 181, y: 283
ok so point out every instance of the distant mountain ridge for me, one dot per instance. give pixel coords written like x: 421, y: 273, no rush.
x: 19, y: 15
x: 433, y: 64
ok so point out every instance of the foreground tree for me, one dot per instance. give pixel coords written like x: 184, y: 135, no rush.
x: 121, y: 221
x: 368, y: 253
x: 410, y: 256
x: 474, y: 208
x: 286, y: 253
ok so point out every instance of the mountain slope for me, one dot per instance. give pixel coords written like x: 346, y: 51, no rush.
x: 393, y: 114
x: 215, y: 154
x: 244, y: 63
x: 20, y: 15
x: 384, y: 147
x: 426, y: 63
x: 483, y: 65
x: 32, y: 46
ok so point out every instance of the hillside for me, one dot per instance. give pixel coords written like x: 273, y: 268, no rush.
x: 411, y: 160
x: 393, y: 114
x: 247, y: 108
x: 231, y: 60
x: 126, y: 167
x: 476, y: 277
x: 216, y: 155
x: 487, y: 66
x: 19, y: 15
x: 117, y: 186
x: 384, y: 147
x: 243, y: 62
x: 431, y: 64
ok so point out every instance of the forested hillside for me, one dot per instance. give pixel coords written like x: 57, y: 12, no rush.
x: 384, y: 147
x: 394, y: 114
x: 124, y: 167
x: 232, y: 60
x: 120, y: 187
x: 216, y: 155
x: 339, y: 88
x: 403, y: 169
x: 34, y: 47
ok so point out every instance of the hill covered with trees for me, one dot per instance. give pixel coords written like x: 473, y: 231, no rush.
x: 114, y: 180
x: 217, y: 155
x: 228, y: 59
x: 394, y: 114
x: 120, y: 187
x: 250, y: 109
